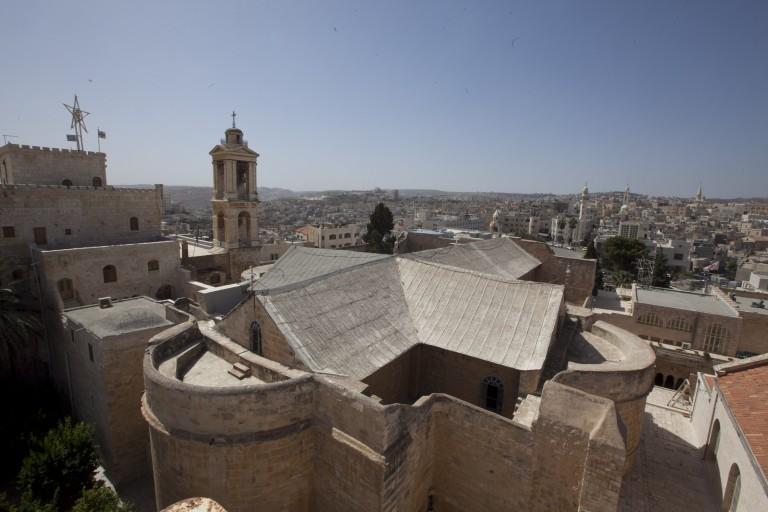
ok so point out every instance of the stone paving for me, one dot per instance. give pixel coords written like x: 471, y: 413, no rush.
x: 669, y: 473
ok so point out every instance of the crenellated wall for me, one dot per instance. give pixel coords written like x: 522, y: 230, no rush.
x: 307, y: 443
x: 51, y: 166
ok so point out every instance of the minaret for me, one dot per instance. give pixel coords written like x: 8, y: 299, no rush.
x: 235, y: 199
x: 583, y: 200
x: 626, y: 195
x: 700, y: 195
x: 585, y: 218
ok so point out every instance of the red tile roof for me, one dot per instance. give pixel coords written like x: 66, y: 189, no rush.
x: 746, y: 393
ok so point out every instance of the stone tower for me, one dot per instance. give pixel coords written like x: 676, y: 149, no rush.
x: 585, y: 216
x: 235, y: 199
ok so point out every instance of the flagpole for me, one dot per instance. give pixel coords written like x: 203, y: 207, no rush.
x: 98, y: 138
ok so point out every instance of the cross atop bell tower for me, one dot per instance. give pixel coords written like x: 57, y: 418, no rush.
x: 235, y: 197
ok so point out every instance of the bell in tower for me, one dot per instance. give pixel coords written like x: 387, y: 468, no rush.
x: 235, y: 197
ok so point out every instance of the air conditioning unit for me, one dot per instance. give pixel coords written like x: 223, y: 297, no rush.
x: 686, y: 345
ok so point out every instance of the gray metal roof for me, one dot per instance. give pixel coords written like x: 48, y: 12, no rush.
x: 125, y: 316
x: 689, y: 301
x: 507, y: 322
x: 498, y: 256
x: 300, y: 264
x: 355, y: 321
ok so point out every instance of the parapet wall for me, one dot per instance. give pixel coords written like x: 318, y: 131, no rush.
x: 51, y: 166
x: 306, y: 443
x: 625, y: 379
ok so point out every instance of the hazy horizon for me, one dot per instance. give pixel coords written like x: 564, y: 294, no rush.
x: 514, y: 97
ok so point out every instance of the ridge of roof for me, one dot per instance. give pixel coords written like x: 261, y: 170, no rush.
x: 484, y: 275
x: 741, y: 365
x: 278, y: 271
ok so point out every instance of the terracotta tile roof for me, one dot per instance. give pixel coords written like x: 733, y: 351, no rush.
x: 746, y: 392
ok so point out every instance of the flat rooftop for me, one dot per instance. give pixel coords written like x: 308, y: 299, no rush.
x: 689, y: 301
x: 745, y: 304
x: 125, y: 316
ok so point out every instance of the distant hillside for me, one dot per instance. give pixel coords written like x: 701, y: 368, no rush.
x: 194, y: 198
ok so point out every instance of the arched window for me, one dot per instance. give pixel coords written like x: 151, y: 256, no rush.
x: 659, y: 380
x: 134, y: 224
x: 96, y: 181
x: 220, y: 223
x: 110, y: 274
x: 732, y: 490
x: 669, y: 382
x: 715, y: 338
x: 66, y: 290
x: 255, y: 337
x: 679, y: 324
x: 67, y: 183
x: 493, y: 394
x: 714, y: 440
x: 650, y: 318
x: 153, y: 265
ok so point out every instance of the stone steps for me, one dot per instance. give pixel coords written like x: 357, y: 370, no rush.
x: 239, y: 371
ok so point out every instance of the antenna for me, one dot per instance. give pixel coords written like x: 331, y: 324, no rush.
x: 8, y: 136
x: 645, y: 270
x: 78, y: 122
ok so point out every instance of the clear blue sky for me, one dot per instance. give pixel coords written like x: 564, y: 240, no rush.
x: 532, y: 96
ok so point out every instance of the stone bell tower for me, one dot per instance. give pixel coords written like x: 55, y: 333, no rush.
x: 235, y: 199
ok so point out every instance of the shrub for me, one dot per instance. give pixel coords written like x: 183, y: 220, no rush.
x: 61, y: 465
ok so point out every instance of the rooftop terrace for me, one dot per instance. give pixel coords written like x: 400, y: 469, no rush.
x: 123, y: 317
x: 689, y: 301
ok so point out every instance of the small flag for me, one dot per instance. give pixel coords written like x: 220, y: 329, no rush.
x: 102, y: 135
x: 71, y: 138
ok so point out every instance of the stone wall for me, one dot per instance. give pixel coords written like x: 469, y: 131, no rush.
x: 577, y: 275
x: 237, y: 325
x: 106, y: 392
x: 84, y: 267
x: 34, y: 165
x: 626, y: 381
x: 424, y: 370
x: 79, y: 216
x: 754, y: 329
x: 308, y: 444
x: 698, y: 320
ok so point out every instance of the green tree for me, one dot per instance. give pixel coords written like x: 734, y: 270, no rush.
x: 100, y: 499
x: 379, y: 234
x: 622, y: 279
x: 661, y: 272
x: 19, y: 322
x: 61, y: 465
x: 27, y: 504
x: 622, y: 254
